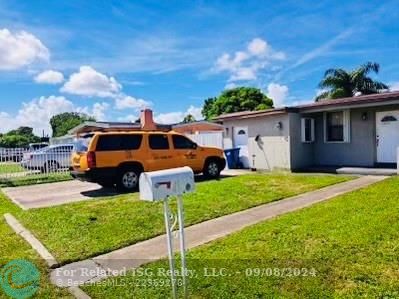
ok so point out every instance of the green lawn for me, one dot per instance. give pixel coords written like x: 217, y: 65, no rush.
x: 14, y: 247
x: 81, y: 230
x: 350, y: 244
x: 9, y: 167
x: 34, y: 179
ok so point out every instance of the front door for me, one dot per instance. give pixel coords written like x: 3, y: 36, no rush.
x: 387, y: 136
x: 241, y: 141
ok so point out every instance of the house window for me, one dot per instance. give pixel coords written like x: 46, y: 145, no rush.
x: 226, y: 133
x: 336, y: 126
x: 389, y: 118
x: 307, y: 130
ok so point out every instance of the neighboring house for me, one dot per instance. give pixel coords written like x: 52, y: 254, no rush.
x: 360, y: 131
x: 197, y: 127
x: 62, y: 140
x: 203, y: 132
x: 146, y: 123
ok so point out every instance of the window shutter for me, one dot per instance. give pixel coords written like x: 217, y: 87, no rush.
x: 303, y: 126
x: 347, y: 126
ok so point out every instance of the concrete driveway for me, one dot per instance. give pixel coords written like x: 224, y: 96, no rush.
x: 53, y: 194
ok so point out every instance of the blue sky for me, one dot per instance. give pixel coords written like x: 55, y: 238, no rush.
x: 111, y: 58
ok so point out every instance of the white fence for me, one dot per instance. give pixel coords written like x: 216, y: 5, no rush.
x: 18, y: 162
x: 208, y: 139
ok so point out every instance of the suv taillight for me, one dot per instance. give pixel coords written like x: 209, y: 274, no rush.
x: 91, y: 159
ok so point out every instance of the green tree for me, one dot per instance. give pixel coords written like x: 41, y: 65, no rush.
x: 62, y: 123
x: 189, y: 118
x: 236, y: 100
x: 341, y: 83
x: 20, y: 137
x: 209, y: 109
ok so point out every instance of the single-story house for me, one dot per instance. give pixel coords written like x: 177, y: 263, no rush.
x: 203, y: 132
x: 361, y: 131
x: 197, y: 127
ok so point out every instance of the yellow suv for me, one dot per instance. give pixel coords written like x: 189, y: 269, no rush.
x: 118, y: 158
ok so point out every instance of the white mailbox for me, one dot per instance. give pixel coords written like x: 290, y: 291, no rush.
x: 159, y: 185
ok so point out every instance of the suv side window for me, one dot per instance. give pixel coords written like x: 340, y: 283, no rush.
x: 181, y: 142
x: 158, y: 141
x: 119, y: 142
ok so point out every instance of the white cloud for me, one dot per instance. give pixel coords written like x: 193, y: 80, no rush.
x: 394, y: 86
x: 319, y: 51
x: 7, y: 122
x: 20, y: 49
x: 129, y: 102
x: 245, y: 65
x: 129, y: 118
x: 97, y: 111
x: 89, y: 82
x: 176, y: 117
x: 195, y: 111
x: 278, y: 93
x: 257, y: 46
x: 38, y: 112
x: 301, y: 102
x: 49, y: 77
x: 244, y: 74
x: 230, y: 85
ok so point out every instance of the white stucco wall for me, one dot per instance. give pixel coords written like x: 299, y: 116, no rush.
x: 272, y: 150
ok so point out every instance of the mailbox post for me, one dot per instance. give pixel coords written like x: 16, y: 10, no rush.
x: 161, y: 186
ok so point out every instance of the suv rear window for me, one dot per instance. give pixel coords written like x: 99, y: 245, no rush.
x: 119, y: 142
x: 159, y: 141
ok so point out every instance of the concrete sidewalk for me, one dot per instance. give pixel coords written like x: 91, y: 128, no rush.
x: 154, y: 249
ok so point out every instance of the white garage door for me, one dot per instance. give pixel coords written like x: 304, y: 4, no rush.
x: 387, y: 136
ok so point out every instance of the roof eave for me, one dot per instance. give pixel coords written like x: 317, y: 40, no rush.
x: 252, y: 114
x: 360, y: 104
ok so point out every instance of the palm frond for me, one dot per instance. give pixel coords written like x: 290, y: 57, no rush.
x: 341, y: 83
x: 333, y: 82
x: 370, y: 86
x: 323, y: 96
x: 336, y: 73
x: 340, y: 93
x: 369, y: 66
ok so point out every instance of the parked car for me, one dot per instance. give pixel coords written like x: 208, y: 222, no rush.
x: 118, y: 158
x: 37, y: 146
x: 49, y: 159
x: 11, y: 154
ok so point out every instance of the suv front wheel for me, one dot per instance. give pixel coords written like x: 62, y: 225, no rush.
x: 212, y: 169
x: 128, y: 179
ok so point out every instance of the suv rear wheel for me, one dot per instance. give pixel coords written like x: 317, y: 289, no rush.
x: 128, y: 179
x: 212, y: 169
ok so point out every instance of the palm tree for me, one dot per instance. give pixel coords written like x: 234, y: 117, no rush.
x: 341, y: 83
